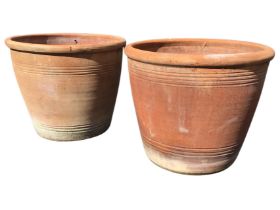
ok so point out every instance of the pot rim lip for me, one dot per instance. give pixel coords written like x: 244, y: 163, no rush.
x: 116, y: 43
x: 265, y: 54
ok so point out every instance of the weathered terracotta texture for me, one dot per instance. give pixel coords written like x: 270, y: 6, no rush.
x: 69, y: 81
x: 195, y: 99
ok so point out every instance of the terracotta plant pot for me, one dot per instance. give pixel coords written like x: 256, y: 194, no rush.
x: 195, y: 99
x: 69, y: 81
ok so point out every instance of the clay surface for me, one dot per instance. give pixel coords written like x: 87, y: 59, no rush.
x: 69, y: 81
x: 195, y: 99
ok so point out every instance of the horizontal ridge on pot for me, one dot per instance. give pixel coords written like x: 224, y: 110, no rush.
x: 195, y: 99
x: 68, y: 70
x: 69, y: 81
x: 197, y: 76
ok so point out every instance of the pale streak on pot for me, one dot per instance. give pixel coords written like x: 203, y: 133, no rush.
x: 228, y: 123
x: 202, y: 95
x: 225, y: 124
x: 69, y: 81
x: 181, y: 120
x: 149, y: 126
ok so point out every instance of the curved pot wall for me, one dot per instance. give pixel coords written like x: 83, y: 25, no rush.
x: 195, y: 99
x: 69, y: 81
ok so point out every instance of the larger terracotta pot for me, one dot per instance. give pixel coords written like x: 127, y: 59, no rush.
x: 69, y: 81
x: 195, y: 99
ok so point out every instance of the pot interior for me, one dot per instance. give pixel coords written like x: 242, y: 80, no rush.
x: 64, y: 39
x: 204, y: 47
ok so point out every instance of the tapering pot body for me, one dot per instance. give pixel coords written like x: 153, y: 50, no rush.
x: 69, y: 81
x: 195, y: 99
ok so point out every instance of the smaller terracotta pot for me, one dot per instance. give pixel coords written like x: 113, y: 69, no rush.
x: 195, y: 99
x: 69, y: 81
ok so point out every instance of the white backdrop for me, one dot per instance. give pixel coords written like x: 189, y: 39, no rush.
x: 112, y: 171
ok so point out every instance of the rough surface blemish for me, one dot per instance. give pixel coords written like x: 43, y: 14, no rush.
x: 183, y: 130
x: 151, y: 133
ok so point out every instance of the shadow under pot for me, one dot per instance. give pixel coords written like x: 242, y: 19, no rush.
x: 195, y: 99
x: 69, y: 81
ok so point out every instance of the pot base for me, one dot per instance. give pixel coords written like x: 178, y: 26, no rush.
x: 71, y: 133
x: 198, y: 165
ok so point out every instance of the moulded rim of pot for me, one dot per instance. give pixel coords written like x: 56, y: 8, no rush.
x: 65, y: 42
x: 245, y: 52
